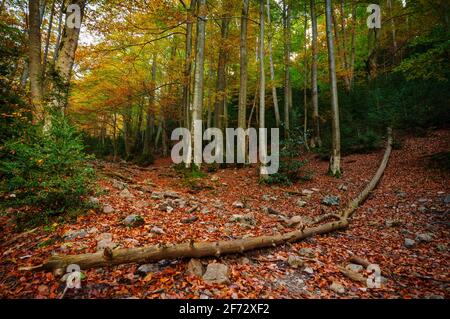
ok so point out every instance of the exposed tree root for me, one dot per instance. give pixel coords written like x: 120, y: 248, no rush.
x: 205, y: 249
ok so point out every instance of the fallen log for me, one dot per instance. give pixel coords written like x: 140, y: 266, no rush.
x: 194, y: 249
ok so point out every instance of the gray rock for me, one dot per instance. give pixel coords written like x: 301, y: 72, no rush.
x: 337, y: 288
x: 147, y: 268
x: 94, y: 201
x: 422, y: 200
x: 331, y: 200
x: 426, y: 237
x: 133, y: 220
x: 174, y: 195
x: 238, y: 204
x: 195, y: 268
x: 308, y: 270
x: 307, y: 252
x: 307, y: 192
x: 343, y: 187
x: 442, y: 248
x: 216, y: 274
x: 189, y: 220
x: 354, y: 267
x: 295, y: 261
x: 125, y: 193
x: 447, y: 199
x: 72, y: 234
x: 301, y: 203
x: 107, y: 209
x: 157, y: 230
x: 119, y: 185
x: 105, y: 243
x: 409, y: 242
x: 247, y: 219
x: 157, y: 195
x: 392, y: 223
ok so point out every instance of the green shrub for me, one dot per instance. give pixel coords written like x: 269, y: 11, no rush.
x: 290, y: 162
x: 47, y: 171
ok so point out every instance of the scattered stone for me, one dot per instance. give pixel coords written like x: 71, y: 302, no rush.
x: 119, y: 185
x: 307, y: 192
x: 307, y: 252
x: 105, y: 241
x: 157, y: 230
x: 147, y: 268
x: 189, y: 220
x: 247, y: 219
x: 354, y: 267
x: 301, y: 203
x: 125, y: 193
x: 295, y: 261
x: 214, y: 178
x: 422, y: 200
x: 442, y: 248
x: 401, y: 193
x: 174, y: 195
x: 337, y: 288
x: 426, y: 237
x: 392, y: 223
x: 245, y: 261
x: 409, y: 242
x: 315, y: 189
x: 447, y: 199
x: 216, y: 274
x: 434, y: 297
x: 195, y: 268
x: 211, y: 229
x: 238, y: 204
x: 331, y: 200
x: 423, y: 209
x: 133, y: 220
x: 205, y: 210
x: 107, y: 209
x: 94, y: 201
x: 72, y: 234
x: 308, y: 270
x: 343, y: 187
x: 218, y: 204
x: 157, y: 195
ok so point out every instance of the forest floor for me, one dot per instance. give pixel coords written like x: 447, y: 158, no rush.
x: 411, y: 202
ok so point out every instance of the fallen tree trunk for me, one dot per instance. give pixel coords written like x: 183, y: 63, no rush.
x: 204, y: 249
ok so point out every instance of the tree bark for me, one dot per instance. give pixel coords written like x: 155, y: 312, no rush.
x: 272, y: 69
x: 47, y: 40
x: 262, y: 93
x: 188, y: 64
x: 287, y: 64
x: 197, y: 103
x: 243, y: 77
x: 315, y: 140
x: 34, y: 60
x: 335, y: 160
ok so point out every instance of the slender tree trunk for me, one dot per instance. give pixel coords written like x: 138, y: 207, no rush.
x: 221, y: 77
x: 393, y: 30
x: 353, y: 44
x: 262, y: 93
x: 147, y: 151
x: 315, y: 140
x: 47, y: 40
x: 58, y: 38
x: 34, y: 60
x: 188, y: 64
x: 66, y: 58
x: 242, y: 109
x: 335, y: 160
x: 272, y: 69
x: 197, y: 102
x: 287, y: 63
x: 305, y: 100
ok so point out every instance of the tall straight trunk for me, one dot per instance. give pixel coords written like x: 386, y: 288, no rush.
x: 335, y: 160
x: 47, y: 40
x: 315, y: 140
x: 127, y: 132
x: 272, y: 70
x: 147, y: 151
x: 262, y: 92
x: 34, y: 60
x: 197, y: 101
x: 393, y: 30
x: 305, y: 84
x: 353, y: 44
x: 219, y: 106
x: 66, y: 58
x: 345, y: 55
x: 188, y: 64
x: 242, y: 109
x: 287, y: 63
x: 59, y: 31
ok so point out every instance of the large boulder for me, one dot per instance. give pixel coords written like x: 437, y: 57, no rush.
x: 216, y: 274
x: 133, y: 220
